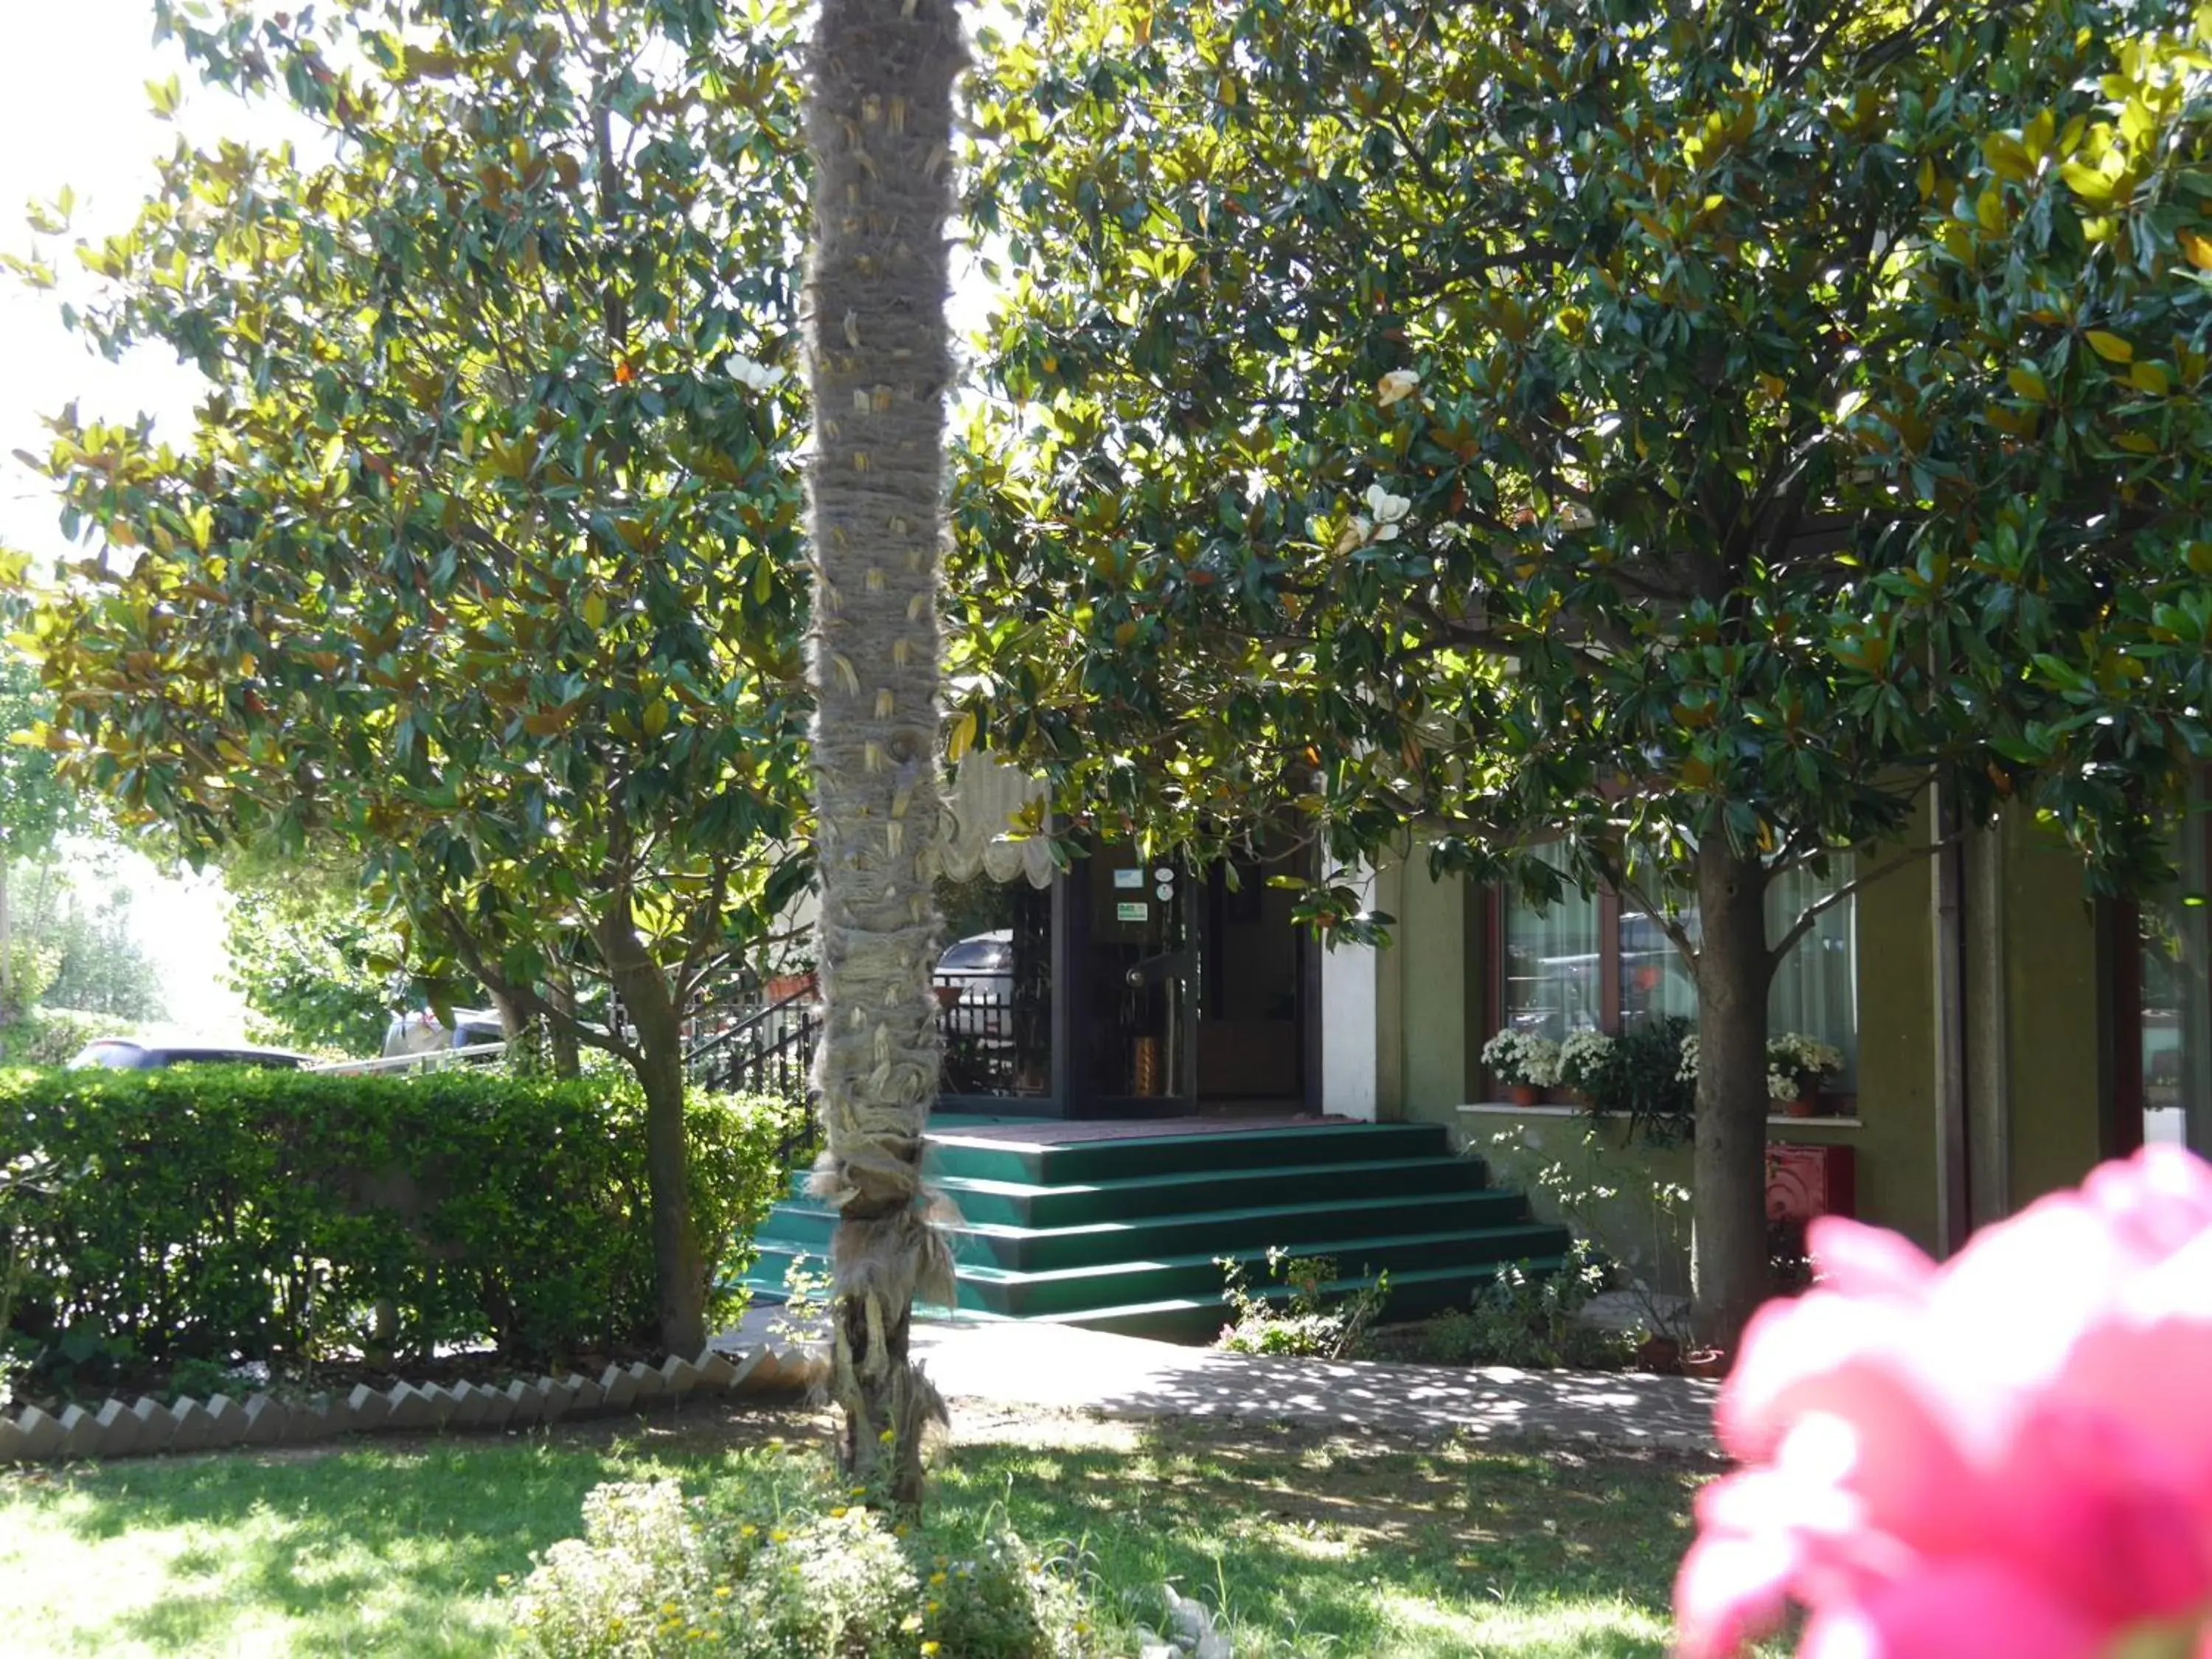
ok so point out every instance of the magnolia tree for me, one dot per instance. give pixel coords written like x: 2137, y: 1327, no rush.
x: 483, y: 560
x: 1603, y: 443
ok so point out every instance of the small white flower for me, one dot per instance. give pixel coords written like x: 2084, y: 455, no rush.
x: 1397, y: 385
x: 747, y: 373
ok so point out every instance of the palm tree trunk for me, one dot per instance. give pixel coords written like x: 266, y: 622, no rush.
x: 880, y: 123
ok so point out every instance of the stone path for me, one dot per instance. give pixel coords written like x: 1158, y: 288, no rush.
x: 1056, y: 1367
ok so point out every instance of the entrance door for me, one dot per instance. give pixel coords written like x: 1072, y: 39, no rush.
x: 1253, y: 993
x: 1196, y: 987
x: 1138, y: 970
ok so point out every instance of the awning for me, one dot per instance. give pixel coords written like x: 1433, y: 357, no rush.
x: 981, y: 808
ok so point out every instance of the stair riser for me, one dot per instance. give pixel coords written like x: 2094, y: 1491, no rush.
x: 1038, y: 1298
x: 1300, y: 1231
x: 1203, y: 1322
x: 1251, y: 1190
x: 1119, y: 1160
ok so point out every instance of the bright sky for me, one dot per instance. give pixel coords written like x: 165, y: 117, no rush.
x: 74, y: 111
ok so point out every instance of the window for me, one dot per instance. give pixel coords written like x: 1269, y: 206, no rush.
x: 995, y: 988
x: 1603, y: 961
x: 1552, y: 979
x: 2173, y: 1008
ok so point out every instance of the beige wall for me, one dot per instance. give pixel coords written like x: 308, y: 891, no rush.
x: 2041, y: 964
x: 2054, y: 1070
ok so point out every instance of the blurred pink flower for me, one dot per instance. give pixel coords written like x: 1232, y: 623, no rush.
x: 2006, y: 1455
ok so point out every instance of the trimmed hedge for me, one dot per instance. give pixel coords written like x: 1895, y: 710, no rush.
x: 217, y: 1216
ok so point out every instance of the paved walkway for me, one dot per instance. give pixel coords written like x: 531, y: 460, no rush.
x: 1057, y: 1367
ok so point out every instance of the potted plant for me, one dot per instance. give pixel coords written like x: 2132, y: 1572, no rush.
x: 1638, y: 1075
x: 1586, y: 1067
x: 1525, y: 1062
x: 1797, y: 1066
x: 796, y: 980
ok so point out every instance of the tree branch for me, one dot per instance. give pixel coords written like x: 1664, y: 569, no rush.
x: 1812, y: 912
x: 1616, y: 877
x: 527, y: 997
x: 700, y: 934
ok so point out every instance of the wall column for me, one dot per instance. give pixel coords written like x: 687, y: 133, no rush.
x: 1353, y: 997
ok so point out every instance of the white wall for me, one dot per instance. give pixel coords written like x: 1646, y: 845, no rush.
x: 1351, y: 1011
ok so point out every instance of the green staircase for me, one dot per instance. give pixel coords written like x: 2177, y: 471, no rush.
x: 1124, y: 1234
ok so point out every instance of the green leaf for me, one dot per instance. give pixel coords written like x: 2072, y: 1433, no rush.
x: 2087, y: 182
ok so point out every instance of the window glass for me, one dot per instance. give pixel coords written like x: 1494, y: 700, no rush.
x: 995, y: 988
x: 2176, y: 1007
x: 1655, y: 981
x: 1816, y: 986
x: 1815, y: 989
x: 1552, y: 969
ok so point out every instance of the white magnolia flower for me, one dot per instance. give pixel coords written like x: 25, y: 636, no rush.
x: 1355, y: 534
x: 1387, y: 509
x: 747, y: 373
x: 1398, y: 383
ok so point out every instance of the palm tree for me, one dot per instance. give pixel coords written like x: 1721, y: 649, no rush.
x: 879, y: 124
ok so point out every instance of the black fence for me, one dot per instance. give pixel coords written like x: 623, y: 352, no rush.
x: 994, y: 1042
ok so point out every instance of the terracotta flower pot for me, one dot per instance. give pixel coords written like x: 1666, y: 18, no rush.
x: 785, y: 986
x: 1524, y: 1094
x: 1660, y: 1355
x: 1711, y: 1363
x: 1805, y: 1105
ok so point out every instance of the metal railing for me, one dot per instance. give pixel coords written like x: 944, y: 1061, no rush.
x: 429, y: 1059
x: 769, y: 1048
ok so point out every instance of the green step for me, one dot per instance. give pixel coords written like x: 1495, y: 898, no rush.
x: 1299, y: 1229
x: 1413, y: 1295
x: 1073, y: 1291
x: 980, y: 1157
x: 1028, y: 1204
x: 1124, y: 1233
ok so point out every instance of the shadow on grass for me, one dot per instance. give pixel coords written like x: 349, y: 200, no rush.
x: 367, y: 1548
x: 1322, y: 1543
x: 1315, y: 1543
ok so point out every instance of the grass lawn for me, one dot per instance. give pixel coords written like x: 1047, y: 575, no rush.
x: 1314, y: 1545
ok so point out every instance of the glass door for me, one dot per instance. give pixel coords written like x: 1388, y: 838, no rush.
x: 1139, y: 972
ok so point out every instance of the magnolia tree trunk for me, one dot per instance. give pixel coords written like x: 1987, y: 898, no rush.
x: 560, y: 1030
x: 679, y: 1272
x: 1729, y: 1264
x: 880, y: 123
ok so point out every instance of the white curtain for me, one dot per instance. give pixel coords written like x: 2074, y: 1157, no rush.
x: 1552, y: 967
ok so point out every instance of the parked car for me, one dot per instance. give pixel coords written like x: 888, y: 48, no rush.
x: 123, y: 1055
x: 975, y: 983
x: 423, y: 1032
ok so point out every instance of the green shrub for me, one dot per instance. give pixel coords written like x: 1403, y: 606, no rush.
x: 224, y: 1215
x: 54, y: 1036
x: 799, y: 1572
x: 1305, y: 1328
x: 1530, y: 1320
